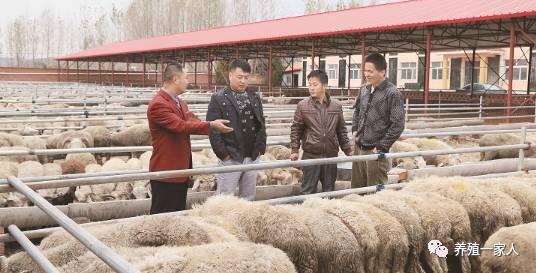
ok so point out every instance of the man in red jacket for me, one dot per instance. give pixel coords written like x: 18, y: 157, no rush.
x: 171, y: 124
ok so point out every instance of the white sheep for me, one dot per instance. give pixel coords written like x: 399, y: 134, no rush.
x: 34, y: 143
x: 408, y: 163
x: 9, y: 140
x: 522, y: 238
x: 101, y: 135
x: 235, y: 257
x: 503, y: 139
x: 137, y: 135
x: 70, y: 140
x: 425, y: 144
x: 17, y: 158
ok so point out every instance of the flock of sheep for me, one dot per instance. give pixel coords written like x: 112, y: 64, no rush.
x: 389, y: 231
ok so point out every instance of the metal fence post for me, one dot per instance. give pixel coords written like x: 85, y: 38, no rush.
x: 520, y: 164
x: 407, y: 109
x: 480, y: 108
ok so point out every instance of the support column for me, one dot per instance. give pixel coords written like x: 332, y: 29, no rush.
x: 292, y: 72
x: 530, y: 69
x: 270, y: 71
x: 87, y: 73
x: 59, y: 72
x: 162, y: 69
x: 68, y: 71
x: 183, y: 60
x: 349, y: 72
x: 144, y: 71
x: 473, y: 71
x: 363, y: 52
x: 237, y: 55
x: 427, y: 68
x: 156, y: 74
x: 77, y: 72
x: 209, y: 70
x: 195, y: 74
x: 128, y: 70
x: 510, y: 73
x: 313, y: 56
x: 100, y: 73
x: 113, y: 80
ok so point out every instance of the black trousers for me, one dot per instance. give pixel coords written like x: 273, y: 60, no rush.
x: 327, y: 174
x: 168, y: 197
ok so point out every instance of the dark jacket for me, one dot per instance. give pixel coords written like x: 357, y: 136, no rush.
x: 223, y: 105
x: 320, y: 128
x: 171, y: 128
x: 380, y: 122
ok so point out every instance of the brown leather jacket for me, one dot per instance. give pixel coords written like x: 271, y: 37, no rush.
x: 320, y: 128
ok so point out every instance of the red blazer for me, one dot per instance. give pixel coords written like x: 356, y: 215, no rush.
x: 170, y: 134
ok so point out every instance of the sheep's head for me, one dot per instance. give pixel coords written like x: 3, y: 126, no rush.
x: 452, y: 160
x: 411, y: 163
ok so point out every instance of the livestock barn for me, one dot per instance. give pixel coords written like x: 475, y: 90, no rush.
x: 75, y: 150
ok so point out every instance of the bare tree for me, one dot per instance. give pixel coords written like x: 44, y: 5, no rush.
x: 315, y: 6
x: 346, y: 4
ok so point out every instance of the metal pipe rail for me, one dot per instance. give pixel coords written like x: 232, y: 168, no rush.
x: 40, y: 233
x: 279, y: 140
x: 250, y: 167
x: 105, y: 253
x: 32, y: 250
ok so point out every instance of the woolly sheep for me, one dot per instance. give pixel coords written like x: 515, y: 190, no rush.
x: 434, y: 222
x: 488, y: 209
x: 408, y: 163
x: 229, y: 257
x: 9, y: 140
x: 425, y: 144
x: 279, y: 152
x: 145, y: 159
x: 503, y: 139
x: 523, y: 239
x: 84, y: 193
x: 137, y: 135
x: 520, y: 191
x: 410, y: 243
x: 262, y: 223
x: 84, y: 158
x: 17, y: 158
x: 122, y: 190
x: 70, y: 140
x: 36, y: 142
x: 7, y: 169
x: 102, y: 136
x: 336, y: 247
x: 359, y: 224
x: 61, y: 248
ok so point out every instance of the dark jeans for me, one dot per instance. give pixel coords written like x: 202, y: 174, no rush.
x: 168, y: 197
x: 326, y: 174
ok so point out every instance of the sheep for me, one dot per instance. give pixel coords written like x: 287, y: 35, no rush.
x: 61, y: 248
x: 231, y: 257
x: 425, y: 144
x: 411, y: 245
x: 84, y: 158
x: 502, y: 139
x: 102, y: 136
x: 488, y: 209
x: 7, y: 169
x: 72, y: 166
x: 34, y: 143
x: 262, y: 223
x: 204, y: 182
x: 145, y: 158
x: 119, y: 191
x: 520, y: 191
x: 522, y: 238
x: 278, y: 176
x: 70, y: 140
x: 30, y: 169
x: 137, y: 135
x: 408, y: 163
x: 359, y: 223
x: 27, y: 130
x: 434, y: 222
x: 84, y: 193
x: 337, y: 249
x: 460, y: 228
x: 280, y: 152
x: 17, y: 158
x: 9, y: 140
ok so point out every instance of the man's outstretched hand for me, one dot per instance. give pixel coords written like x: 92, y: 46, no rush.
x: 220, y: 126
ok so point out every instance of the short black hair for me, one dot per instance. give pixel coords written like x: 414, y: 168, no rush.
x: 378, y: 60
x: 240, y: 63
x: 320, y: 75
x: 171, y: 70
